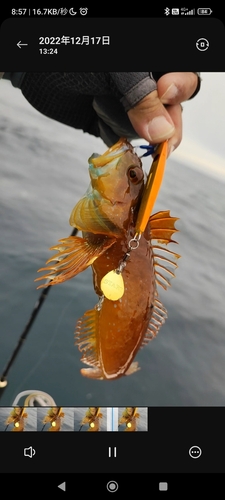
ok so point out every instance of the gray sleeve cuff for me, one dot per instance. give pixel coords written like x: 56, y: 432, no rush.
x: 133, y: 87
x: 140, y: 90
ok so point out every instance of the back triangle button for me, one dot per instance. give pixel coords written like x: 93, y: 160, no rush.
x: 62, y: 486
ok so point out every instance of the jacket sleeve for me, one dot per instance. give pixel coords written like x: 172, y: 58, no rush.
x: 96, y: 103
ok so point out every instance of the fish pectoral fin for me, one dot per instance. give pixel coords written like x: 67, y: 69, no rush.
x: 87, y: 216
x: 74, y: 255
x: 86, y: 338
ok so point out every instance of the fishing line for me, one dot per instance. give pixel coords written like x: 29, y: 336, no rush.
x: 22, y: 338
x: 48, y: 347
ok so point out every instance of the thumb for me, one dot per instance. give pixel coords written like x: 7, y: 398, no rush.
x: 151, y: 120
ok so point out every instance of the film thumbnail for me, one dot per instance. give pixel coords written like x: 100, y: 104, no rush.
x: 73, y: 419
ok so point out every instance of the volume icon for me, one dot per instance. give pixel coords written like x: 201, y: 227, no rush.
x: 29, y: 452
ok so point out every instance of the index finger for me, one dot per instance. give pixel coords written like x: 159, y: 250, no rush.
x: 174, y: 88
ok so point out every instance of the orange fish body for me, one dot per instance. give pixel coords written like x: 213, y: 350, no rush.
x: 120, y: 326
x: 110, y: 334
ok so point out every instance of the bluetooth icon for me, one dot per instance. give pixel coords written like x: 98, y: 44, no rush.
x: 167, y: 11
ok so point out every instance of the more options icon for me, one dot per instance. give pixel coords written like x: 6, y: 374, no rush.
x: 195, y: 452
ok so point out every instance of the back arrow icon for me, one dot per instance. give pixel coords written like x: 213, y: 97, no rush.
x: 19, y: 44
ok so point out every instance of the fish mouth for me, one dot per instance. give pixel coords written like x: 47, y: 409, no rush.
x: 112, y: 202
x: 97, y: 198
x: 114, y: 152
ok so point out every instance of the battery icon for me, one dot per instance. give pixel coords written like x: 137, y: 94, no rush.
x: 204, y: 12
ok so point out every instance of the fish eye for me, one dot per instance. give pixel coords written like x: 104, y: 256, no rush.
x: 132, y: 173
x: 135, y: 174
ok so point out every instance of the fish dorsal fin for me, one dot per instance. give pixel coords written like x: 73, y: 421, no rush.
x: 74, y: 255
x: 162, y: 227
x: 86, y: 337
x: 164, y: 273
x: 165, y: 262
x: 158, y: 317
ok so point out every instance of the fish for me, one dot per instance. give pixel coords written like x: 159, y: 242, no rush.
x: 127, y: 271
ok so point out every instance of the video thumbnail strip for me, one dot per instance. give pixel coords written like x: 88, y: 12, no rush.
x: 73, y: 419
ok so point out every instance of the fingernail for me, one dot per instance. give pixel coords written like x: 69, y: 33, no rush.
x: 171, y: 149
x: 159, y: 129
x: 170, y: 93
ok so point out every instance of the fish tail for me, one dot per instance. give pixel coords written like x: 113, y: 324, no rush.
x: 95, y: 373
x: 132, y: 368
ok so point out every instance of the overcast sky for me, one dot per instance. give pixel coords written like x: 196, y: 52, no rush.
x: 203, y: 144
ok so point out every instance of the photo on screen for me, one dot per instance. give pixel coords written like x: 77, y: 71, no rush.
x: 55, y: 419
x: 44, y: 175
x: 132, y: 419
x: 18, y: 419
x: 91, y: 419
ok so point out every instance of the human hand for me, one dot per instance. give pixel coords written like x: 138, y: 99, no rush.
x: 113, y: 105
x: 158, y: 116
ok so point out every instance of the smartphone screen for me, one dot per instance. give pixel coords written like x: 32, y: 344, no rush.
x: 83, y: 357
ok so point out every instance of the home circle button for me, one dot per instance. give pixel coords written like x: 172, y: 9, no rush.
x: 112, y: 486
